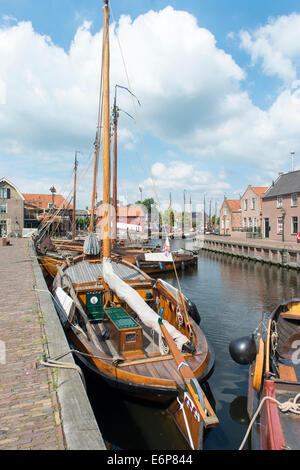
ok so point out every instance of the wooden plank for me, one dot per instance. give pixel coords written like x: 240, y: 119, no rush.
x: 290, y: 315
x: 287, y: 373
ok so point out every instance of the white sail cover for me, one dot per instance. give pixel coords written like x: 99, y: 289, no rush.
x: 138, y: 305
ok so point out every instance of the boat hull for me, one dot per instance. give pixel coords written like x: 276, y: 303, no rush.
x: 280, y: 380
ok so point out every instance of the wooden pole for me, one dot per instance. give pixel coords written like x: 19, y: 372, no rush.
x: 115, y: 167
x: 215, y: 224
x: 204, y: 215
x: 74, y: 199
x: 106, y: 137
x: 171, y: 221
x: 94, y: 184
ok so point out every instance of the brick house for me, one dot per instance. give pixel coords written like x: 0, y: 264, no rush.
x: 281, y: 208
x: 230, y: 216
x: 11, y: 209
x: 40, y: 207
x: 251, y: 208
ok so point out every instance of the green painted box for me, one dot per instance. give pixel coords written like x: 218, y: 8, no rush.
x: 94, y: 305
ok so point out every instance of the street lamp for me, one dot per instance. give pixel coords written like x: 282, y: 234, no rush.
x: 141, y: 191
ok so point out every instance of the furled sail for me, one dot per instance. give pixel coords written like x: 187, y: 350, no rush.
x: 91, y: 245
x: 138, y: 305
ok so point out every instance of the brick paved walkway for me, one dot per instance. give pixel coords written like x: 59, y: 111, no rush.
x: 29, y: 415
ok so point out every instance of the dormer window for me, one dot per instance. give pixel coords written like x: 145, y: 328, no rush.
x: 50, y: 205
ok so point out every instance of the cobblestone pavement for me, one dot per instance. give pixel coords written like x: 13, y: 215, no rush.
x: 29, y: 413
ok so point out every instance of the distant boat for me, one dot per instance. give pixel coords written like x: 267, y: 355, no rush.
x: 274, y: 379
x: 136, y: 333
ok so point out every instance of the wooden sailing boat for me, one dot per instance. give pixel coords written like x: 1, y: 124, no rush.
x: 130, y: 330
x: 274, y: 379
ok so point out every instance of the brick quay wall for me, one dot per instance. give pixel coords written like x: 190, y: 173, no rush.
x: 40, y: 408
x: 280, y: 253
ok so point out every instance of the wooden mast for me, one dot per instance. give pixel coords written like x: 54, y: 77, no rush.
x: 74, y: 199
x: 96, y: 153
x: 215, y: 224
x: 191, y: 214
x: 106, y: 136
x: 183, y: 218
x: 171, y: 221
x: 115, y: 203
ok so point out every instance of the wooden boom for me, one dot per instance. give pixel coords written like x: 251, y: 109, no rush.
x: 191, y: 413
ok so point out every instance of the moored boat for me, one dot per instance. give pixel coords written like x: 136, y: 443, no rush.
x: 274, y: 379
x: 136, y: 333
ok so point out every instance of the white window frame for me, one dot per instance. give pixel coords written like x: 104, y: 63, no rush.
x: 279, y: 225
x: 3, y: 193
x: 292, y: 225
x: 3, y: 204
x: 279, y: 202
x: 245, y: 204
x: 293, y: 202
x: 253, y: 203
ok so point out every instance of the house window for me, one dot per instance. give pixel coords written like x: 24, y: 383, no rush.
x: 279, y: 202
x: 279, y: 225
x: 253, y: 200
x: 3, y: 228
x: 249, y: 222
x: 4, y: 193
x: 245, y: 222
x: 3, y: 208
x: 294, y: 225
x: 294, y: 201
x: 246, y: 204
x: 50, y: 205
x: 223, y: 224
x: 227, y: 224
x: 225, y: 211
x: 255, y: 222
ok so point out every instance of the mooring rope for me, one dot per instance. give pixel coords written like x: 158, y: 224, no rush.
x: 290, y: 405
x: 186, y: 424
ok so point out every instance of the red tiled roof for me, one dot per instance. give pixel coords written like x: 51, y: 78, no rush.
x: 234, y: 204
x: 42, y: 200
x: 259, y: 190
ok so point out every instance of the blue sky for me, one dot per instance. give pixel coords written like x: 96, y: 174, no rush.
x: 217, y: 81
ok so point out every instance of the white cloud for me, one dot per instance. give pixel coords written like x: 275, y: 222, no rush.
x: 179, y: 175
x: 277, y: 44
x: 190, y: 92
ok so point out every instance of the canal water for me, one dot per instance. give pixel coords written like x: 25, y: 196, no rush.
x: 231, y: 296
